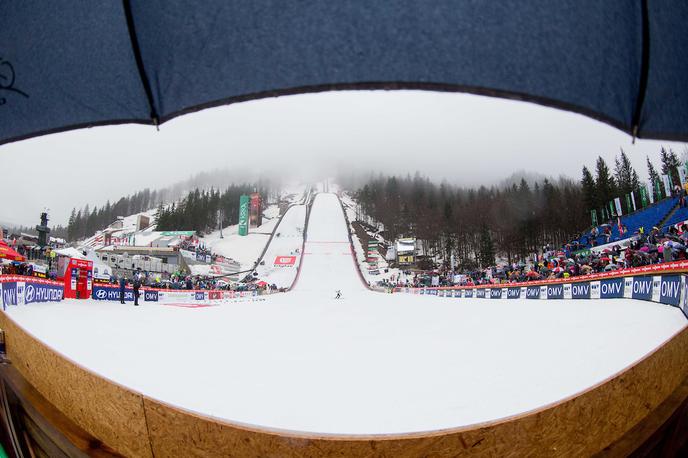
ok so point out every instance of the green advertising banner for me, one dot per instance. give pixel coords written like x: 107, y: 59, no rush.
x: 176, y: 233
x: 629, y: 208
x: 643, y: 196
x: 593, y: 213
x: 243, y: 214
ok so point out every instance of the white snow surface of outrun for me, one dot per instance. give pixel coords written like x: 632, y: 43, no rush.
x: 369, y: 363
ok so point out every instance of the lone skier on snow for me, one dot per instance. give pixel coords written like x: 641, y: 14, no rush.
x: 338, y: 295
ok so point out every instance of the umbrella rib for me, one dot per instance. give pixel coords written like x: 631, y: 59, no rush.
x: 644, y: 70
x: 139, y: 61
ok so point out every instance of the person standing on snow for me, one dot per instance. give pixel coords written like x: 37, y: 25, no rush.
x: 338, y: 295
x: 137, y: 285
x: 122, y: 287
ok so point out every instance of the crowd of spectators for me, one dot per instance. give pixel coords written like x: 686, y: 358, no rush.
x: 180, y: 281
x: 644, y: 248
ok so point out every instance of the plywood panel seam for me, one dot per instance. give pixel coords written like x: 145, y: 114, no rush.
x: 145, y: 418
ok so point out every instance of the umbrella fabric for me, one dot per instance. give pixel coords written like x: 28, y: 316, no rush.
x: 8, y: 253
x: 67, y: 64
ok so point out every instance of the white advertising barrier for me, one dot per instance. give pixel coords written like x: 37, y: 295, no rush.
x: 196, y: 297
x: 670, y: 289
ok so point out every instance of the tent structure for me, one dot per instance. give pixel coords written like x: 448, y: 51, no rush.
x: 67, y: 64
x: 8, y: 253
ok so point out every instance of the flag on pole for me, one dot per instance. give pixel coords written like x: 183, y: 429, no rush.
x: 643, y: 196
x: 681, y: 176
x: 633, y: 201
x: 667, y: 185
x: 617, y: 201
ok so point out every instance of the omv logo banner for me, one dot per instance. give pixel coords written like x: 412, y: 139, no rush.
x: 457, y: 293
x: 39, y: 292
x: 496, y: 293
x: 9, y: 294
x: 612, y: 288
x: 150, y: 296
x: 533, y: 292
x: 513, y: 293
x: 555, y: 292
x: 468, y: 293
x: 104, y: 293
x: 642, y: 288
x: 580, y: 290
x: 199, y: 296
x: 670, y: 288
x: 480, y: 293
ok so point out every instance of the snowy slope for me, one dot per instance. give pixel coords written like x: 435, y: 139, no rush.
x: 289, y: 242
x: 247, y: 249
x: 243, y: 249
x: 328, y: 263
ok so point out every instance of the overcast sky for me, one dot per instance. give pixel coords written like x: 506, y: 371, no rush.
x: 466, y: 139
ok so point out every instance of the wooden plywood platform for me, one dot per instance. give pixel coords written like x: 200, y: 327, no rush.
x: 596, y: 421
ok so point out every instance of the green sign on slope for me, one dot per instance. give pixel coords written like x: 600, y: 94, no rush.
x: 243, y: 215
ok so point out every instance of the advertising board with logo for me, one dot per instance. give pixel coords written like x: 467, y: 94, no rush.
x: 580, y: 290
x: 670, y: 289
x: 532, y: 292
x: 612, y: 288
x: 628, y: 287
x: 568, y: 294
x: 36, y: 292
x: 111, y: 293
x: 641, y: 288
x: 555, y: 292
x: 285, y: 261
x: 19, y: 290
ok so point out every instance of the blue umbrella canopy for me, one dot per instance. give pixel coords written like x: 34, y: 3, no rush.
x: 67, y: 64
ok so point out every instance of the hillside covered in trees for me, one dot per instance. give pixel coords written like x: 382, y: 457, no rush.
x: 198, y: 211
x: 195, y: 211
x: 473, y: 224
x: 606, y: 185
x: 514, y: 221
x: 85, y: 222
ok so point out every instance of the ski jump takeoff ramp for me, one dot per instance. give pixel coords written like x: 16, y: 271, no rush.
x: 302, y: 374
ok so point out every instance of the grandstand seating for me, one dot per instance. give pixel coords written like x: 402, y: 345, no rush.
x: 648, y: 217
x: 680, y: 215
